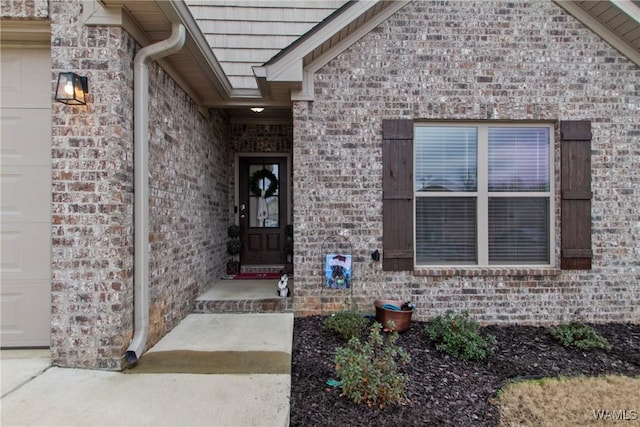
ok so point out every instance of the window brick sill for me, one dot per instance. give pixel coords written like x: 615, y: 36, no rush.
x: 486, y: 271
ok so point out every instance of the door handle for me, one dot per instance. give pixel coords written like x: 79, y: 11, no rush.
x: 243, y: 208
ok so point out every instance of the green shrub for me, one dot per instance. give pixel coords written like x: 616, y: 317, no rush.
x: 458, y: 335
x: 579, y: 335
x: 347, y: 324
x: 233, y: 247
x: 368, y: 370
x: 233, y: 231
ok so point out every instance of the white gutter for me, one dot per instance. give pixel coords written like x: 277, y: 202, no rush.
x: 141, y: 183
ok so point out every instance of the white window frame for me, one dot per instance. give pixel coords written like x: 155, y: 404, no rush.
x: 482, y: 194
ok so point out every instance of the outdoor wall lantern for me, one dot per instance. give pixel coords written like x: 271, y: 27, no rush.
x: 72, y: 89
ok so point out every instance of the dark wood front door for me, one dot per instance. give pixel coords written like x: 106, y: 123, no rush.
x: 263, y: 210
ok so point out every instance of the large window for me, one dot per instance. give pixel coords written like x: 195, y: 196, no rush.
x: 483, y: 194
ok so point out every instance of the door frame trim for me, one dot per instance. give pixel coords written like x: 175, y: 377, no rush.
x: 234, y: 211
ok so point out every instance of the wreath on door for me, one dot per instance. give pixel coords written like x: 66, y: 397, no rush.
x: 254, y: 183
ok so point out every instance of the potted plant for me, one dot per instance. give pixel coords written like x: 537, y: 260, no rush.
x: 394, y: 315
x: 288, y: 248
x: 233, y: 249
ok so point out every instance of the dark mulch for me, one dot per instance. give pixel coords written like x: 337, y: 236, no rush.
x: 441, y: 389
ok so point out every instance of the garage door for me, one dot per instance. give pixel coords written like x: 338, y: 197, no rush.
x: 25, y: 209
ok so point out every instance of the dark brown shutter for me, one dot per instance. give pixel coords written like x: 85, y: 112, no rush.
x: 397, y: 203
x: 576, y: 195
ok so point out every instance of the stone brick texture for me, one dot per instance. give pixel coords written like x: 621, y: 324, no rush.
x: 92, y: 195
x: 36, y: 9
x: 474, y: 61
x: 188, y: 202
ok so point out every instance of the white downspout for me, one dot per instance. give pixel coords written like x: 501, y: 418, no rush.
x: 141, y: 183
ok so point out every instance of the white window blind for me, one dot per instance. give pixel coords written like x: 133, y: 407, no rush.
x: 446, y: 159
x: 518, y: 230
x: 518, y: 159
x: 446, y: 230
x: 483, y: 194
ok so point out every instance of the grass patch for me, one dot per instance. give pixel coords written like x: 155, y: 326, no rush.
x: 580, y: 401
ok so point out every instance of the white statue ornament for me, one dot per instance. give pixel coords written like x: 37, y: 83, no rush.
x: 283, y: 289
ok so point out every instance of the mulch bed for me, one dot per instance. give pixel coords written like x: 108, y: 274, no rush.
x: 443, y: 390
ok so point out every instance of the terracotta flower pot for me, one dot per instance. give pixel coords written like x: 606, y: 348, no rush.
x: 401, y: 319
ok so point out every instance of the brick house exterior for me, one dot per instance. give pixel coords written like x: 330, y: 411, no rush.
x: 484, y: 61
x: 470, y: 61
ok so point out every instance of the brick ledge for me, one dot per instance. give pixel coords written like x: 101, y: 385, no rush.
x: 486, y: 271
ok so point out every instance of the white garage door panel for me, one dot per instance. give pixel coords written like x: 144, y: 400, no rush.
x: 26, y: 251
x: 25, y: 197
x: 19, y: 328
x: 26, y: 78
x: 22, y: 133
x: 26, y: 194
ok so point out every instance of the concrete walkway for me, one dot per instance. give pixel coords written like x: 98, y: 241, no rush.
x: 41, y: 396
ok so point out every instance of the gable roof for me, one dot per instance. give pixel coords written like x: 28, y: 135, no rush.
x: 226, y: 39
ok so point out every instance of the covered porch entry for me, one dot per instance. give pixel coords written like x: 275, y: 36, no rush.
x: 260, y: 189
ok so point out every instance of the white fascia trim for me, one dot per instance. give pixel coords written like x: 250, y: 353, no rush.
x: 600, y: 29
x: 260, y: 74
x: 307, y: 91
x: 95, y: 13
x: 628, y: 7
x: 290, y: 65
x: 246, y: 93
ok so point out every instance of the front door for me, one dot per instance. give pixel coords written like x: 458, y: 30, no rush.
x: 263, y: 210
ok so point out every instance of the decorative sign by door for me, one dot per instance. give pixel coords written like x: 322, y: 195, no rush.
x: 338, y: 271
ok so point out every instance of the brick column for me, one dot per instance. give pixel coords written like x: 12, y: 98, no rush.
x: 92, y: 195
